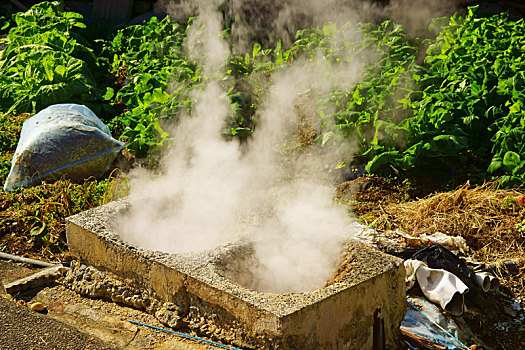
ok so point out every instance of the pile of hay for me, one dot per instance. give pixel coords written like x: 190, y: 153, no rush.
x: 491, y: 220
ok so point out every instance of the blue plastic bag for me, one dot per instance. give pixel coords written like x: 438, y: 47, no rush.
x: 421, y: 330
x: 63, y: 140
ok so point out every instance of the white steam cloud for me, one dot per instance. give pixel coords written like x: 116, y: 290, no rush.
x: 213, y: 192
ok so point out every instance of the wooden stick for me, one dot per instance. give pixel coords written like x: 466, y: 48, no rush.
x: 19, y: 5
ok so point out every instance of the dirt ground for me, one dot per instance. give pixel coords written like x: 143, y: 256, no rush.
x: 70, y: 321
x: 26, y: 329
x: 488, y: 218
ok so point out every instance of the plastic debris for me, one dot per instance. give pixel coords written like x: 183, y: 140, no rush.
x: 439, y: 286
x: 419, y: 330
x: 439, y: 257
x: 455, y: 325
x: 451, y: 242
x: 411, y: 267
x: 64, y: 140
x: 486, y: 281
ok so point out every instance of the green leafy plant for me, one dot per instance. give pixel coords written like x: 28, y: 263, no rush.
x: 461, y: 111
x: 46, y: 61
x: 249, y: 77
x: 38, y: 213
x: 372, y: 111
x: 151, y: 57
x: 470, y: 109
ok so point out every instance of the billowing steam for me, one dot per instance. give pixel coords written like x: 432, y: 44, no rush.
x: 214, y: 192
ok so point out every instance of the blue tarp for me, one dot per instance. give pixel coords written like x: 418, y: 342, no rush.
x: 420, y: 329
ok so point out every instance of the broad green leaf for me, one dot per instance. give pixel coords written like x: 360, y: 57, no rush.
x: 357, y: 97
x: 256, y: 49
x: 511, y: 159
x: 380, y: 160
x: 60, y: 70
x: 515, y: 108
x: 495, y: 165
x: 47, y: 63
x: 109, y: 94
x: 160, y: 96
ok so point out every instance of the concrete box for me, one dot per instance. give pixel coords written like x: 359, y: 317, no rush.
x: 361, y: 311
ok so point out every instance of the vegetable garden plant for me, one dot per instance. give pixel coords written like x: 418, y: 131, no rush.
x: 460, y: 109
x: 449, y: 108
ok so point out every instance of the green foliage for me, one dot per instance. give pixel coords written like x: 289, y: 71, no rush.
x: 250, y: 77
x: 38, y: 213
x: 472, y: 91
x: 371, y: 112
x: 151, y: 55
x: 331, y: 43
x: 5, y: 165
x: 461, y: 111
x: 46, y: 61
x: 4, y: 25
x: 10, y: 126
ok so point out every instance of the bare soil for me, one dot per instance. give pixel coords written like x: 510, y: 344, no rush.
x: 70, y: 321
x: 488, y: 218
x: 26, y: 329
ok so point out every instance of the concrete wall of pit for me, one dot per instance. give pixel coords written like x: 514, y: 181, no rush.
x: 343, y: 315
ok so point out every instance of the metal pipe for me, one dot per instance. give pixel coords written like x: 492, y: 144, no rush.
x: 25, y: 260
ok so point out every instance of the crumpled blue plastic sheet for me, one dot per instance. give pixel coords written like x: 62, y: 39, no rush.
x: 419, y: 329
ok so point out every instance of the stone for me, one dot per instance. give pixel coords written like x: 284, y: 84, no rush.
x: 38, y: 306
x: 169, y: 318
x: 41, y: 278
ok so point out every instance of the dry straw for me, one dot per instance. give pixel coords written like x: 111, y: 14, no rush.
x: 490, y: 219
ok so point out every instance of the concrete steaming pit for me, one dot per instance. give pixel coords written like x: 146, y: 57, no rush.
x: 363, y: 310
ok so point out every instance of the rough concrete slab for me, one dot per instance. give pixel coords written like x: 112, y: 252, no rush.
x: 361, y: 311
x: 10, y: 271
x: 38, y: 279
